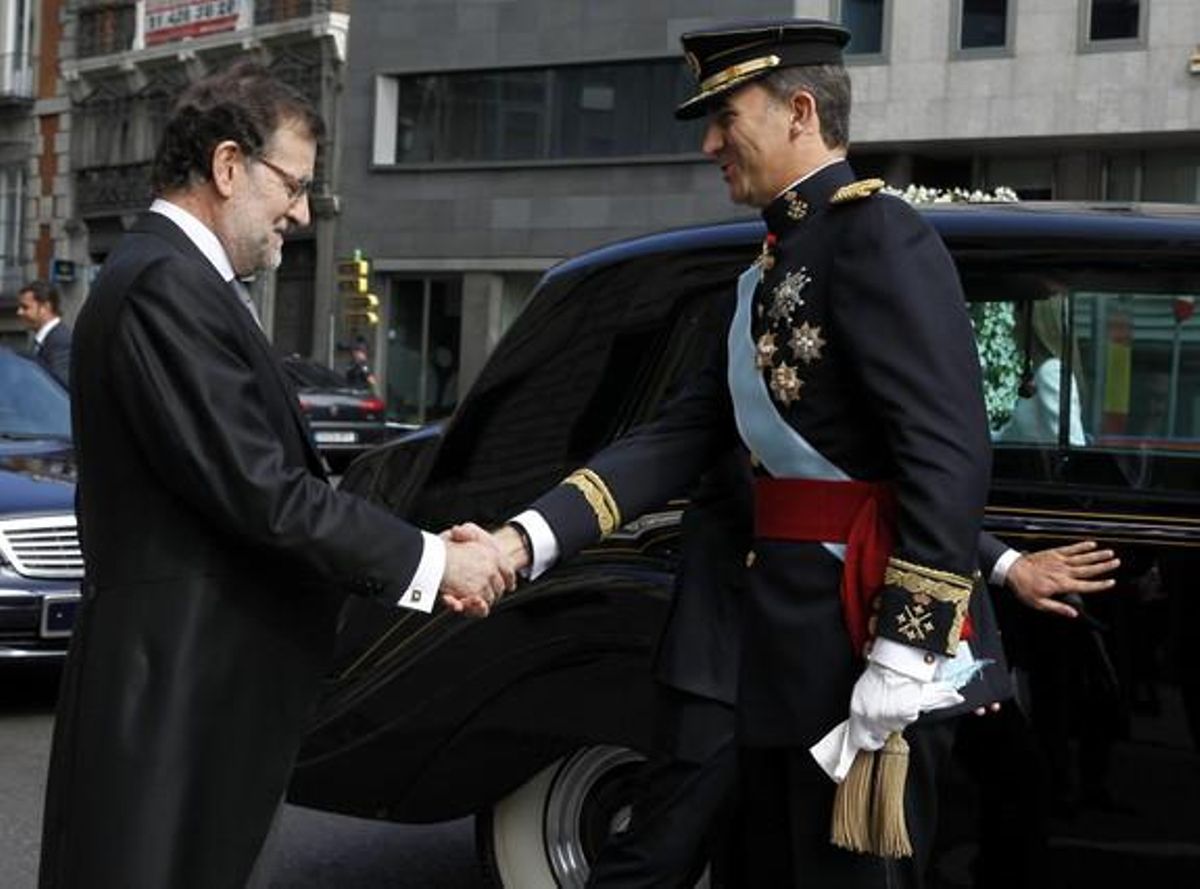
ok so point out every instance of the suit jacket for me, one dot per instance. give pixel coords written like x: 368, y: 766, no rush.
x: 216, y: 559
x: 55, y: 353
x: 890, y: 391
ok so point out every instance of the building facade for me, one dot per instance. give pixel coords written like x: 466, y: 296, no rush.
x: 483, y: 140
x: 21, y: 105
x: 124, y: 62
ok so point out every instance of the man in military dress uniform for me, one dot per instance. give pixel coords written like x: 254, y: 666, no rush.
x: 851, y: 376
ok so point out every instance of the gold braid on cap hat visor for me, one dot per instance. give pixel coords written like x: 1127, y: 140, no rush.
x: 736, y: 73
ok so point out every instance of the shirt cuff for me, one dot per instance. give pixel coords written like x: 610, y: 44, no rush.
x: 916, y: 663
x: 541, y: 539
x: 1000, y: 569
x: 422, y: 592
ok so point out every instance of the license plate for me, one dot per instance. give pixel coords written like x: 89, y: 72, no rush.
x: 58, y: 614
x: 325, y: 436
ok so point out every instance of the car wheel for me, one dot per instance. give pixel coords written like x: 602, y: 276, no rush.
x: 546, y: 833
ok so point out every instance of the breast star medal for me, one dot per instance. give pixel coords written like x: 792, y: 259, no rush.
x: 765, y: 349
x: 786, y: 384
x: 806, y: 342
x: 785, y: 298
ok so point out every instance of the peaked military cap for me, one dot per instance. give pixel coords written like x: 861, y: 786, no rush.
x: 727, y: 57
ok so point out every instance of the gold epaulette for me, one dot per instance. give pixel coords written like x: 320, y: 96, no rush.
x: 863, y: 188
x: 598, y: 497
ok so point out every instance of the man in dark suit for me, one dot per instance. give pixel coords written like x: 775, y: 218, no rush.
x: 217, y: 554
x: 850, y: 373
x: 37, y: 307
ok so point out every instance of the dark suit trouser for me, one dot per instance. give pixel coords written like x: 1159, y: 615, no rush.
x: 788, y: 803
x: 677, y: 820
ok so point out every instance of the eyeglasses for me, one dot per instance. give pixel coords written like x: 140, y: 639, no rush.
x: 296, y: 188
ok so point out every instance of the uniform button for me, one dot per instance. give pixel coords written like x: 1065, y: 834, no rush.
x: 750, y: 557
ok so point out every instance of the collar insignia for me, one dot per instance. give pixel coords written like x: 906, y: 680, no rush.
x: 797, y: 206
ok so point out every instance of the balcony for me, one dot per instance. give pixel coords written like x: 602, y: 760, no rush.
x: 107, y: 191
x: 16, y: 78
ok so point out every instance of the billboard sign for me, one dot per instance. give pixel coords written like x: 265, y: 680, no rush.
x: 170, y: 20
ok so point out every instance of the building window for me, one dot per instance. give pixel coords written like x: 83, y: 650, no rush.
x: 424, y: 325
x: 16, y: 63
x: 105, y: 28
x: 983, y: 24
x: 535, y: 114
x: 867, y: 23
x: 1168, y: 176
x: 12, y: 195
x: 1112, y: 24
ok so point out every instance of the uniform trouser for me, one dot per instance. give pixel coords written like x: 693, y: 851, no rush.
x: 788, y: 802
x: 678, y: 818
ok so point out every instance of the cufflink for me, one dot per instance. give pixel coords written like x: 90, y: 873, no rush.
x: 416, y: 595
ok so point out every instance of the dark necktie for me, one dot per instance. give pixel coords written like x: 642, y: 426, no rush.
x: 243, y: 296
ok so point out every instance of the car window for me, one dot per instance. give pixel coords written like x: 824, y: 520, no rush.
x: 32, y: 404
x: 1085, y: 360
x: 1139, y: 369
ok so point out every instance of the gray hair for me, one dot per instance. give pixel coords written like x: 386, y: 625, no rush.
x: 829, y: 85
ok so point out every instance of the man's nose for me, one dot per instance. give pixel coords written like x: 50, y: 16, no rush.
x: 712, y: 141
x: 300, y: 213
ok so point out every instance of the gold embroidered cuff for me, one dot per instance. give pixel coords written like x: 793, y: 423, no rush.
x: 925, y: 584
x: 598, y: 497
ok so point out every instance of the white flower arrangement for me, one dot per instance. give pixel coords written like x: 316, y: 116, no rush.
x: 994, y: 322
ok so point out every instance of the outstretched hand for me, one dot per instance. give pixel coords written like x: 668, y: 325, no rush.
x: 1035, y: 578
x: 477, y: 572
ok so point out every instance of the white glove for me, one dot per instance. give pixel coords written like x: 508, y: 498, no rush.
x: 885, y: 701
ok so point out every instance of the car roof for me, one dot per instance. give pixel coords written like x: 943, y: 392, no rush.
x: 1012, y: 222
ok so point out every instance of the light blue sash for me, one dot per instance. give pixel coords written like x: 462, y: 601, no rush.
x: 781, y: 449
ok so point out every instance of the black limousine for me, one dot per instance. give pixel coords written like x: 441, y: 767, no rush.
x: 533, y: 718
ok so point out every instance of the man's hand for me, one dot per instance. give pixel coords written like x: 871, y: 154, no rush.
x: 477, y: 572
x: 885, y: 701
x: 1036, y: 577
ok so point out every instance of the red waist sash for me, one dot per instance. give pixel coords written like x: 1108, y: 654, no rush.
x: 860, y: 514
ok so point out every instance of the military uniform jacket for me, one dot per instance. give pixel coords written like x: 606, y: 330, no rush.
x: 216, y: 558
x: 859, y: 335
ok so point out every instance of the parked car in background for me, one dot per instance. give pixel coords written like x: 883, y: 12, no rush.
x: 533, y: 718
x: 345, y: 420
x: 40, y: 560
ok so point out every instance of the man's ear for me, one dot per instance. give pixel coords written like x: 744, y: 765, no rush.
x: 804, y: 113
x: 226, y: 166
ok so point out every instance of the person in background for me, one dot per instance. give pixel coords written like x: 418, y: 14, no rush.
x: 359, y: 373
x: 38, y: 308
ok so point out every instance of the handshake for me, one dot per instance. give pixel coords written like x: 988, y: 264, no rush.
x: 481, y: 567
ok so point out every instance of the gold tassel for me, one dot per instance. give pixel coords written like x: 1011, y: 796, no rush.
x: 852, y: 806
x: 890, y: 832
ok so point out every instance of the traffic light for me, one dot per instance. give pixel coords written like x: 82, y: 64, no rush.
x: 359, y: 305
